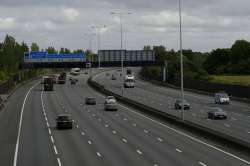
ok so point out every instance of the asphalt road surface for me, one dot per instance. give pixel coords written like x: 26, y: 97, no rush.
x: 28, y: 135
x: 162, y: 98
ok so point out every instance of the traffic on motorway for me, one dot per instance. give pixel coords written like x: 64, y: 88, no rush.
x: 73, y: 124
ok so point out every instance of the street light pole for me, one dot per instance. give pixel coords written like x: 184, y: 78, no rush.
x: 121, y: 29
x: 98, y: 28
x: 181, y: 56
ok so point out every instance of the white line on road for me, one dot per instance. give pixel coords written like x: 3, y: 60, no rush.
x: 20, y: 125
x: 99, y: 154
x: 114, y: 132
x: 139, y: 152
x: 145, y: 131
x: 89, y: 142
x: 227, y: 125
x: 47, y: 124
x: 134, y: 124
x: 178, y: 150
x: 56, y: 152
x: 125, y: 119
x: 188, y: 136
x: 82, y: 133
x: 49, y: 131
x: 59, y: 161
x: 201, y: 163
x: 77, y: 126
x: 124, y: 140
x: 159, y: 139
x: 106, y: 125
x: 248, y: 132
x: 46, y: 119
x: 52, y: 139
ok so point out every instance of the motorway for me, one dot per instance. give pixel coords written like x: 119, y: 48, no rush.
x: 125, y: 137
x: 162, y: 98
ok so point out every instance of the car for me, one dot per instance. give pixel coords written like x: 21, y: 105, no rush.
x: 110, y: 104
x: 221, y: 98
x: 70, y: 78
x: 113, y: 77
x: 178, y: 104
x: 217, y: 113
x: 90, y: 101
x: 73, y: 81
x: 64, y: 121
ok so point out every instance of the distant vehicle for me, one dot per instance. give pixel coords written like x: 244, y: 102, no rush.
x: 129, y: 72
x: 75, y: 71
x: 86, y: 72
x: 61, y: 78
x: 178, y: 104
x: 110, y: 104
x: 88, y: 65
x: 217, y: 113
x: 90, y: 101
x: 48, y: 84
x: 70, y: 78
x: 64, y: 121
x: 43, y: 78
x: 129, y: 81
x: 113, y: 77
x: 221, y: 98
x: 73, y: 81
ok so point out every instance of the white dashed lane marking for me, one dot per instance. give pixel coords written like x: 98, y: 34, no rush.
x: 227, y: 125
x: 145, y: 131
x: 159, y: 139
x: 106, y: 125
x: 49, y: 131
x: 139, y: 152
x: 124, y: 140
x: 114, y: 132
x: 134, y: 124
x: 178, y: 150
x: 201, y: 163
x: 82, y: 133
x: 89, y: 142
x: 99, y: 154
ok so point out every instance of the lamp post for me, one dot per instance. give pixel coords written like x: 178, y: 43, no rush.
x: 181, y: 63
x: 90, y: 35
x: 120, y: 14
x: 98, y: 29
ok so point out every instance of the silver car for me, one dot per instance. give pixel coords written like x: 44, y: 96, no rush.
x: 110, y: 104
x: 221, y: 98
x: 217, y: 113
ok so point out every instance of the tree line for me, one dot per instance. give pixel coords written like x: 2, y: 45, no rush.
x: 11, y: 55
x: 198, y: 65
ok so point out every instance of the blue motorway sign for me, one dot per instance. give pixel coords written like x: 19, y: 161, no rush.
x: 38, y: 56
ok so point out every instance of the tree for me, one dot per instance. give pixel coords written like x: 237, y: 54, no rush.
x: 34, y: 47
x: 51, y: 50
x: 240, y: 50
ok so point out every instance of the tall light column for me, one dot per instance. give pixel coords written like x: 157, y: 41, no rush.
x: 181, y: 63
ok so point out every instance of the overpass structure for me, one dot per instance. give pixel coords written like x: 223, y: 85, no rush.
x: 108, y: 58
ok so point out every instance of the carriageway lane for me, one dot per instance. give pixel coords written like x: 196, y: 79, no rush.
x: 237, y: 125
x: 149, y: 138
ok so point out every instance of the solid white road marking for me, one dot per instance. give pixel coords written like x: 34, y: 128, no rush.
x: 52, y: 139
x: 20, y: 124
x: 124, y: 140
x: 56, y: 152
x: 201, y: 163
x: 47, y: 124
x: 188, y: 136
x: 59, y: 161
x: 49, y: 131
x: 139, y: 152
x: 178, y: 150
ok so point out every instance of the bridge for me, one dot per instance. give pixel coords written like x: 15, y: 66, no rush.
x: 108, y: 58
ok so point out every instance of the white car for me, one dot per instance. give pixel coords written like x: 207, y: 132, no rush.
x: 221, y: 98
x: 110, y: 103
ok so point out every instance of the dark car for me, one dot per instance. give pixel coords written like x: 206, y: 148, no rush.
x: 90, y: 101
x: 178, y: 104
x: 73, y: 81
x: 113, y: 77
x: 64, y: 121
x: 217, y: 113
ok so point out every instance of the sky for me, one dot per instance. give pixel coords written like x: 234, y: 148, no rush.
x: 207, y: 24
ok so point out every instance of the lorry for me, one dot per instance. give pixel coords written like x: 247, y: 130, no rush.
x: 61, y: 78
x: 48, y: 84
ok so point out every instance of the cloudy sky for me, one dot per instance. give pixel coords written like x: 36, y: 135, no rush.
x: 207, y: 24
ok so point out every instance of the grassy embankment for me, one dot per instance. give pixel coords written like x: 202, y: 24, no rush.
x: 243, y: 80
